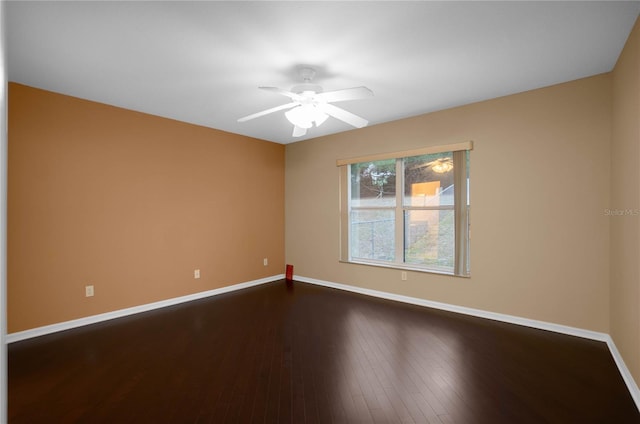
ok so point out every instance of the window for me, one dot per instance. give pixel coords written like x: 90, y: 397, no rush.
x: 408, y: 210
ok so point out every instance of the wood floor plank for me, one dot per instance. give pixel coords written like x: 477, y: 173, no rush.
x: 299, y: 353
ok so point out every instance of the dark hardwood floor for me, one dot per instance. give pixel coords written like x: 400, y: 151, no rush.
x: 298, y: 353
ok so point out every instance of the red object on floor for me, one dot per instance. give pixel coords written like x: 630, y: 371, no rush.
x: 289, y: 274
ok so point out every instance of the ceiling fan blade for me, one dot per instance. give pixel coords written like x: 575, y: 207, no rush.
x: 289, y: 94
x: 343, y: 115
x: 268, y: 111
x: 298, y: 132
x: 354, y: 93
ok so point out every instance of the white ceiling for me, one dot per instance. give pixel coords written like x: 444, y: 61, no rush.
x: 201, y: 62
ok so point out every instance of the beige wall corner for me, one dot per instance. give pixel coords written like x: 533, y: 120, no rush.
x: 131, y: 204
x: 539, y: 186
x: 625, y: 201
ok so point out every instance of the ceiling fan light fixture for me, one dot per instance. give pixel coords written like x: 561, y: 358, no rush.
x: 305, y: 115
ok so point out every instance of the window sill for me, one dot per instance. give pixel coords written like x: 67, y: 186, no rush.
x: 404, y: 268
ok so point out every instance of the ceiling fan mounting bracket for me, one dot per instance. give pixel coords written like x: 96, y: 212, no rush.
x: 307, y: 73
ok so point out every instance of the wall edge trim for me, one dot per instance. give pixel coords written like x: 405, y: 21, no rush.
x: 634, y: 391
x: 94, y: 319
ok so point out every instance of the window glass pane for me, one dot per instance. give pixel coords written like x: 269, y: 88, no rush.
x: 373, y: 234
x: 373, y: 183
x: 428, y: 180
x: 429, y: 238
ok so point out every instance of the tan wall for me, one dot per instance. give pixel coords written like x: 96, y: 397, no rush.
x: 625, y: 196
x: 539, y: 186
x: 132, y: 204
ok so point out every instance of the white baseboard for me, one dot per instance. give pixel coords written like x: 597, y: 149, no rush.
x: 542, y: 325
x: 67, y: 325
x: 624, y: 371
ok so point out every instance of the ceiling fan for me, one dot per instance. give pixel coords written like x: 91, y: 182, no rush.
x: 310, y: 105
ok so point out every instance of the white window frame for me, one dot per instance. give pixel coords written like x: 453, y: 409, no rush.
x: 461, y: 210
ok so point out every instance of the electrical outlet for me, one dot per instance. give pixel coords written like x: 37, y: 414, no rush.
x: 403, y: 276
x: 196, y: 273
x: 265, y: 261
x: 88, y: 291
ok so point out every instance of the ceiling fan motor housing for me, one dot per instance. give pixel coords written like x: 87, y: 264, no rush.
x: 299, y: 89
